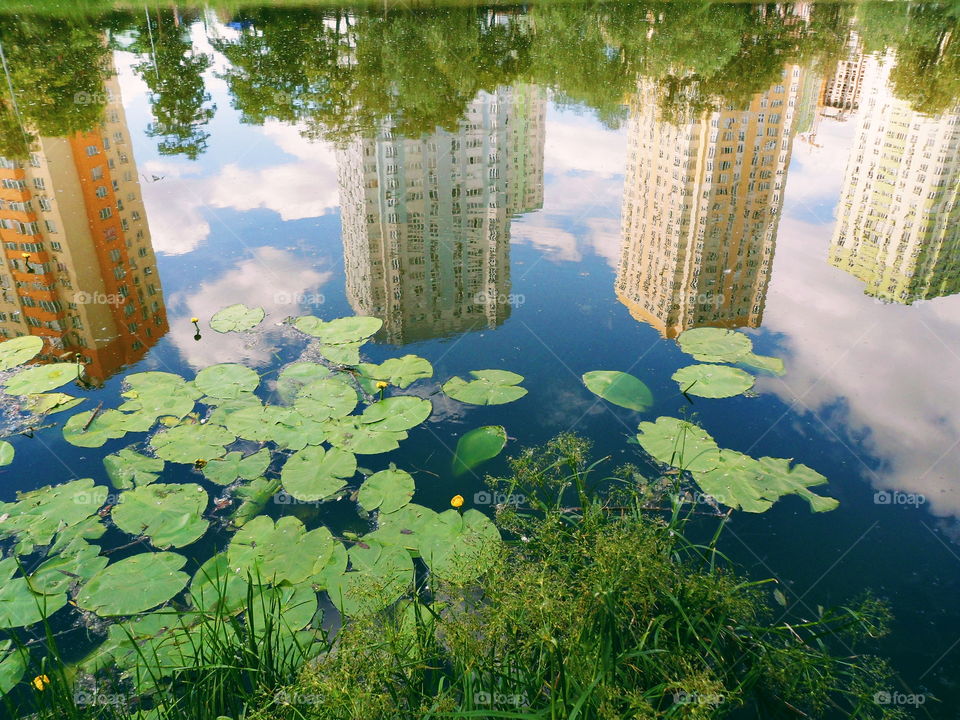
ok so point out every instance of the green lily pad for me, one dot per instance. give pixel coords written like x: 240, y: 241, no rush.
x: 491, y: 387
x: 36, y: 516
x: 387, y: 490
x: 21, y: 606
x: 404, y: 527
x: 342, y: 330
x: 281, y: 552
x: 253, y: 497
x: 715, y: 344
x: 620, y: 388
x: 397, y: 413
x: 342, y: 353
x: 215, y: 587
x: 295, y: 376
x: 134, y: 584
x: 380, y: 577
x: 155, y: 393
x: 167, y: 513
x: 129, y: 468
x: 256, y: 422
x: 298, y: 432
x: 236, y: 318
x: 87, y: 429
x: 362, y: 438
x: 49, y: 403
x: 13, y: 665
x: 680, y: 444
x: 314, y: 473
x: 713, y: 381
x: 477, y: 446
x: 234, y: 466
x: 42, y: 378
x: 325, y: 399
x: 189, y: 443
x: 6, y: 453
x: 77, y: 563
x: 460, y: 548
x: 19, y: 350
x: 401, y: 371
x: 768, y: 363
x: 740, y: 481
x: 226, y: 380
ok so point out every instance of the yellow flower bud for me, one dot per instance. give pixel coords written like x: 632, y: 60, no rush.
x: 456, y: 501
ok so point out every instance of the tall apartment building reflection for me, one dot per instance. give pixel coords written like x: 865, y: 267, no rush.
x: 701, y: 206
x: 844, y: 86
x: 78, y: 268
x: 426, y: 222
x: 898, y: 219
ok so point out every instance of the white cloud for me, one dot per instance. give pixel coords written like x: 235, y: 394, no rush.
x: 276, y: 280
x: 578, y: 143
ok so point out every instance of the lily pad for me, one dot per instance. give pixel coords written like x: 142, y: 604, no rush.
x: 189, y: 443
x: 49, y: 403
x: 477, y: 446
x: 13, y: 665
x: 42, y: 378
x: 362, y: 438
x: 387, y: 490
x: 740, y: 481
x: 256, y: 422
x: 21, y: 606
x: 715, y: 344
x: 236, y: 318
x: 226, y: 380
x: 215, y: 587
x: 129, y: 468
x: 342, y: 353
x: 234, y: 466
x: 253, y: 497
x: 680, y: 444
x: 295, y: 376
x: 170, y: 514
x: 19, y: 350
x: 397, y: 413
x: 491, y: 387
x: 768, y: 363
x: 92, y: 429
x: 460, y: 548
x: 314, y: 473
x: 380, y: 576
x: 401, y: 371
x: 713, y: 381
x: 38, y: 515
x: 6, y: 453
x: 134, y: 584
x: 342, y: 330
x: 156, y: 393
x: 620, y: 388
x: 325, y: 399
x: 281, y: 552
x: 77, y: 563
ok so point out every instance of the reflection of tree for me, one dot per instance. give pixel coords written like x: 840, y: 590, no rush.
x: 174, y: 74
x: 56, y: 68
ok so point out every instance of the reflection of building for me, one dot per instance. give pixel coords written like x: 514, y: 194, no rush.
x: 79, y: 269
x: 845, y: 85
x: 898, y: 220
x: 426, y: 221
x: 701, y: 206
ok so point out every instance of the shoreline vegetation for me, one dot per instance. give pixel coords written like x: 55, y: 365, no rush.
x: 587, y: 595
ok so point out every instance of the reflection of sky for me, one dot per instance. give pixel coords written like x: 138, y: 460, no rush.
x: 257, y: 216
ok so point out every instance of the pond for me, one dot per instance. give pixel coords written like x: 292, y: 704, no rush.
x: 546, y: 189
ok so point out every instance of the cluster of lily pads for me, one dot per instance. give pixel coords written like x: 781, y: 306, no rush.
x: 302, y: 444
x: 731, y: 478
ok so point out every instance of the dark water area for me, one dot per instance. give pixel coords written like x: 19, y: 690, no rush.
x: 549, y: 189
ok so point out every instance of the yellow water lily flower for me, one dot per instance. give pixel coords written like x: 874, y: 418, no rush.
x: 194, y: 320
x: 41, y: 681
x: 456, y: 501
x: 381, y: 384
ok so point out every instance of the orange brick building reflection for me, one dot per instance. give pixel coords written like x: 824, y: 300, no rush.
x: 78, y: 268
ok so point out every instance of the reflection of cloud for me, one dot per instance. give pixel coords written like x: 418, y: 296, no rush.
x: 580, y: 143
x: 556, y: 243
x: 604, y: 236
x: 879, y: 375
x: 274, y: 279
x: 303, y: 187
